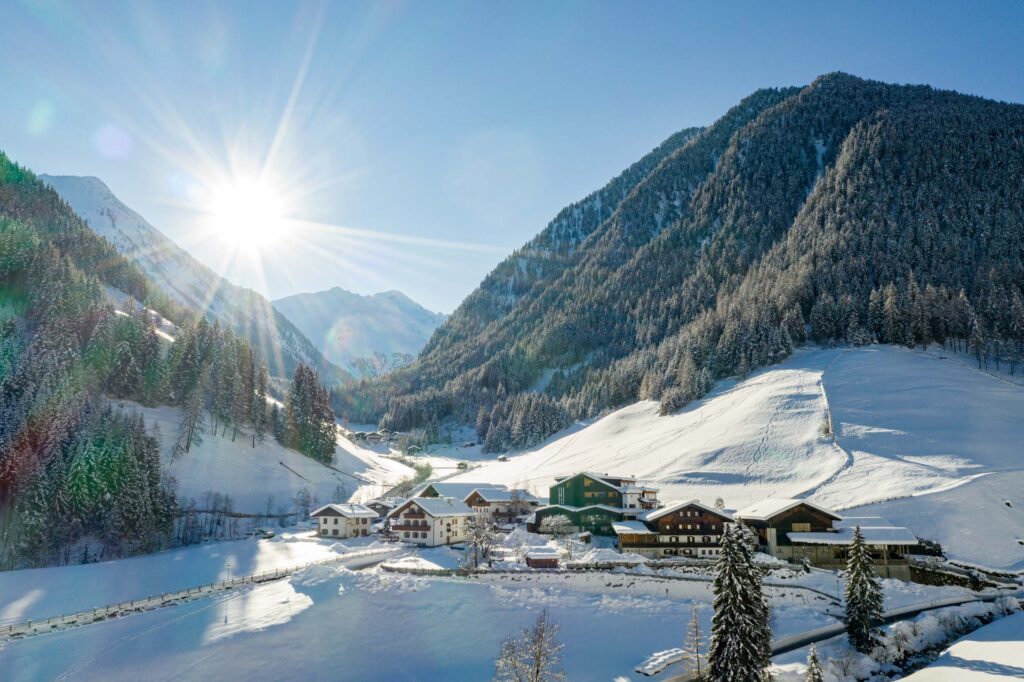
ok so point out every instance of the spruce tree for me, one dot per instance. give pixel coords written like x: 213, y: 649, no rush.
x: 864, y: 596
x: 740, y: 649
x: 814, y: 673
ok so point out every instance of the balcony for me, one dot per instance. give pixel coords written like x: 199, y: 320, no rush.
x: 409, y: 526
x: 414, y: 515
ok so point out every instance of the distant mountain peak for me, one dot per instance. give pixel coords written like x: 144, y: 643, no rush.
x: 366, y: 334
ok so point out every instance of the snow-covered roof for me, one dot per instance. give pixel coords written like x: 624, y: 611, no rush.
x: 391, y: 502
x: 503, y: 494
x: 884, y: 535
x: 449, y: 489
x: 675, y: 506
x: 632, y: 528
x: 631, y: 488
x: 351, y: 511
x: 604, y: 478
x: 437, y: 506
x: 773, y: 506
x: 542, y: 553
x: 569, y: 507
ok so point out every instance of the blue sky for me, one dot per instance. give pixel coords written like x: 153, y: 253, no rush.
x: 420, y: 142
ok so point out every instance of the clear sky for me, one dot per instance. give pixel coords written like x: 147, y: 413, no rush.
x: 418, y: 143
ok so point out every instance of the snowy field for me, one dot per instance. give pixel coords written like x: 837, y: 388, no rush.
x: 992, y: 652
x: 369, y: 625
x: 250, y: 475
x: 916, y: 434
x: 38, y: 593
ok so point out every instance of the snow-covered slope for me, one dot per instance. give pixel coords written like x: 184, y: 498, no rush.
x: 249, y: 475
x: 927, y: 442
x: 989, y: 653
x: 189, y: 281
x: 365, y: 335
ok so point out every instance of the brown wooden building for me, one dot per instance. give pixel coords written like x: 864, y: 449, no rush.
x: 686, y: 529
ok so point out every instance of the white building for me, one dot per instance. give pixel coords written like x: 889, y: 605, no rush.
x: 431, y: 521
x: 502, y: 505
x: 343, y: 520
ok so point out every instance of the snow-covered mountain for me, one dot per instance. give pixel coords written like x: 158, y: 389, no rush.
x: 189, y: 281
x: 365, y: 335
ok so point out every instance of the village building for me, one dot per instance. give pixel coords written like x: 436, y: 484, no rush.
x: 384, y: 505
x: 501, y: 505
x: 343, y: 520
x: 431, y: 521
x: 593, y: 502
x: 802, y: 532
x: 684, y: 529
x: 542, y: 557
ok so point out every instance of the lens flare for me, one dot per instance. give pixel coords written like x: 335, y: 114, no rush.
x: 247, y: 212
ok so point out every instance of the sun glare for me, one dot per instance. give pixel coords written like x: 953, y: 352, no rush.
x: 247, y: 212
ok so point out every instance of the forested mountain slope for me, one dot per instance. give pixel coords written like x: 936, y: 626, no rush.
x: 80, y: 477
x: 364, y: 335
x: 280, y: 343
x: 866, y: 210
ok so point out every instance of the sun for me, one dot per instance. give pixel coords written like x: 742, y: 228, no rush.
x: 247, y: 212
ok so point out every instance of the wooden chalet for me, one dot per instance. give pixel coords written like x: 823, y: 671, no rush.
x: 802, y: 532
x: 684, y: 529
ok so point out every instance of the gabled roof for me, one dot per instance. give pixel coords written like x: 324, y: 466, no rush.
x: 772, y: 507
x: 570, y: 508
x: 436, y: 506
x: 655, y: 514
x: 389, y: 502
x: 502, y: 494
x: 604, y: 478
x: 882, y: 535
x: 451, y: 489
x: 351, y: 511
x: 632, y: 528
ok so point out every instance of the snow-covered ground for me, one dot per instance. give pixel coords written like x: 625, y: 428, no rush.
x: 370, y: 625
x: 38, y: 593
x: 916, y: 435
x: 992, y: 652
x: 249, y: 475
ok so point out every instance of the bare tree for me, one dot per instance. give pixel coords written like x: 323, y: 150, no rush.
x: 480, y: 540
x: 558, y: 527
x: 534, y: 656
x: 694, y: 645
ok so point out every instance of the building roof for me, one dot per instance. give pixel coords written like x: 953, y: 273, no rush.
x: 542, y: 553
x: 570, y: 508
x: 437, y: 506
x: 351, y: 511
x: 494, y: 494
x: 631, y: 488
x: 675, y: 506
x: 883, y: 535
x: 390, y: 502
x: 452, y: 489
x: 631, y: 528
x: 604, y: 478
x: 773, y: 506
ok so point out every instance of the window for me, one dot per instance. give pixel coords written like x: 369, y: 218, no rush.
x: 405, y: 534
x: 335, y: 520
x: 801, y: 528
x: 335, y: 531
x: 586, y: 482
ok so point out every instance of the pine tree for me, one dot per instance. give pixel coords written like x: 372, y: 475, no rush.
x: 814, y: 672
x: 740, y: 648
x: 863, y: 594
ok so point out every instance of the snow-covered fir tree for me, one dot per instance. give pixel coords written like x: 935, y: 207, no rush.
x: 814, y: 672
x: 740, y: 647
x: 864, y: 597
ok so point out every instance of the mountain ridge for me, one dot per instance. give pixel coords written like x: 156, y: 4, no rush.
x: 190, y: 281
x: 365, y: 334
x: 800, y: 206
